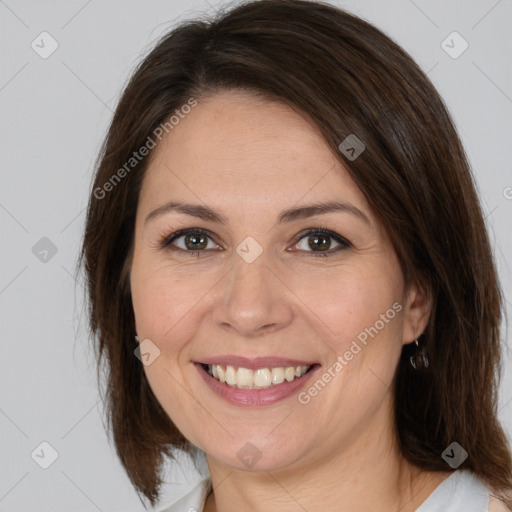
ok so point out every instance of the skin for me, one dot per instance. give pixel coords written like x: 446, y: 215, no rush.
x: 250, y: 159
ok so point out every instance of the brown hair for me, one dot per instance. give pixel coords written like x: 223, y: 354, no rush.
x: 349, y: 78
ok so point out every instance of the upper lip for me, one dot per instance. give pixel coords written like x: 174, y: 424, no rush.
x: 256, y: 362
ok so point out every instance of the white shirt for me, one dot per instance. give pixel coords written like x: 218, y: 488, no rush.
x: 460, y: 492
x: 193, y: 501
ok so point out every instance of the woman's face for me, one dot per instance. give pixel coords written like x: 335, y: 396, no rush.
x: 265, y: 291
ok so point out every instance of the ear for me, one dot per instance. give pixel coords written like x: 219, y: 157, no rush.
x: 417, y: 309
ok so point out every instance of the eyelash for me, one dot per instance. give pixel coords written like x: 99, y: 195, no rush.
x: 344, y: 243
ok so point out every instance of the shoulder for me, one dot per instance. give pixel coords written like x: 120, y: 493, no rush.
x: 462, y: 491
x: 496, y: 505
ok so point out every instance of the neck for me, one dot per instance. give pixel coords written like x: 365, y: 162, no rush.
x: 366, y: 473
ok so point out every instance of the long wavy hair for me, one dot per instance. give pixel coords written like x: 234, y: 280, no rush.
x: 348, y: 78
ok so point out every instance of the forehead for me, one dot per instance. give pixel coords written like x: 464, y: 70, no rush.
x: 239, y: 148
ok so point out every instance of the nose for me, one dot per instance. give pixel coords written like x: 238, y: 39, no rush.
x: 253, y: 300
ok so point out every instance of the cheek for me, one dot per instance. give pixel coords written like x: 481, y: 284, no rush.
x: 358, y: 311
x: 359, y: 314
x: 164, y: 311
x: 349, y: 299
x: 165, y: 301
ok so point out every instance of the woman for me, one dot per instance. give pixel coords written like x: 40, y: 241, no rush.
x: 288, y: 271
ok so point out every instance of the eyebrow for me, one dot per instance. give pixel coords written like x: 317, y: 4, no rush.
x: 209, y: 214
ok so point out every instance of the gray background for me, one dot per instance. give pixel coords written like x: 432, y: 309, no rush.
x: 54, y: 113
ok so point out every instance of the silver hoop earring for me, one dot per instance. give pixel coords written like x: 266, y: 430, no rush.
x: 419, y: 360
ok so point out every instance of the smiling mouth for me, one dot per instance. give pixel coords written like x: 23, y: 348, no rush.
x: 261, y: 378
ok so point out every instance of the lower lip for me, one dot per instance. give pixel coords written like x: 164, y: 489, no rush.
x: 255, y: 397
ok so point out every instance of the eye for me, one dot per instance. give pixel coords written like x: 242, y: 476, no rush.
x: 194, y: 241
x: 319, y: 240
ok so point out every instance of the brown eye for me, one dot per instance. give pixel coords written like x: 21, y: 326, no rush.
x: 194, y: 241
x: 318, y: 242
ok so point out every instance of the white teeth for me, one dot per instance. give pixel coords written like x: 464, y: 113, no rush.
x: 261, y: 378
x: 244, y: 377
x: 230, y: 376
x: 277, y: 375
x: 289, y: 373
